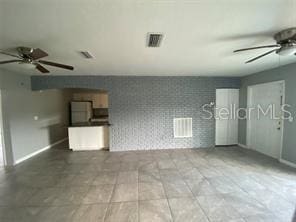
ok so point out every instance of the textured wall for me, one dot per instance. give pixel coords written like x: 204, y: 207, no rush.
x: 142, y: 108
x: 23, y: 135
x: 288, y: 74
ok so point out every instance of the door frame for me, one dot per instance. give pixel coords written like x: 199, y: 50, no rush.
x: 2, y: 133
x: 249, y: 96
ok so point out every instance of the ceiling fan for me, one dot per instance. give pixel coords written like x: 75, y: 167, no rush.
x: 28, y: 55
x: 285, y: 45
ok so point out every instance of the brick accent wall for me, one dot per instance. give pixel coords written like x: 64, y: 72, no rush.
x: 142, y: 108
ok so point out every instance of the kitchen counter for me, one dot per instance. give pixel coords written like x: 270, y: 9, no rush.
x: 89, y: 136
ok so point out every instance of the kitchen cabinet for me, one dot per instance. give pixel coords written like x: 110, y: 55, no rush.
x: 100, y: 100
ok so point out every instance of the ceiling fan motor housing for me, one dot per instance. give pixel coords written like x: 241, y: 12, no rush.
x: 24, y: 50
x: 286, y: 36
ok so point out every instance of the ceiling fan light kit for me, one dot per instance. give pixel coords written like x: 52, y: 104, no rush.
x: 285, y: 45
x: 287, y: 50
x: 28, y: 65
x: 31, y: 57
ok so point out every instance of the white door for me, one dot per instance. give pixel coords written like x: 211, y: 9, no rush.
x: 265, y: 125
x: 227, y: 101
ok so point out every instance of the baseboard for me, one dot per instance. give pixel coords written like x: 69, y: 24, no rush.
x: 286, y: 162
x: 243, y: 145
x: 39, y: 151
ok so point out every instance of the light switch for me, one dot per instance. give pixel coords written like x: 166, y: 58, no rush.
x: 36, y: 117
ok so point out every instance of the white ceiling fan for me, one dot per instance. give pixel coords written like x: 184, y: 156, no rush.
x: 27, y: 55
x: 285, y: 45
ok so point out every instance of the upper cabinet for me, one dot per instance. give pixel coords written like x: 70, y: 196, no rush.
x: 99, y: 100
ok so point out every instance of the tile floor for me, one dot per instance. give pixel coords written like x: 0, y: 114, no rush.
x: 200, y: 185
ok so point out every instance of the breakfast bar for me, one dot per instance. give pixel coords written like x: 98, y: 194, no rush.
x: 88, y: 136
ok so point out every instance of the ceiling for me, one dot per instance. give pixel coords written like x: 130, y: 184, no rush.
x: 199, y: 35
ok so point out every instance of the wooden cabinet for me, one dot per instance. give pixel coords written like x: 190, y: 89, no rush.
x: 100, y: 100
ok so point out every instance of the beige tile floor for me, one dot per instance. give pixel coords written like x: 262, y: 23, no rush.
x: 206, y: 185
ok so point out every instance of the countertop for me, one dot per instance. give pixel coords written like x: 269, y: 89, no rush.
x: 90, y: 124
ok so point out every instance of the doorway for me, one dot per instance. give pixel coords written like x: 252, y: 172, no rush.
x: 264, y: 123
x: 226, y: 126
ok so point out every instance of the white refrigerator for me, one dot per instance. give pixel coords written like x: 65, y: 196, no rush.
x: 81, y: 112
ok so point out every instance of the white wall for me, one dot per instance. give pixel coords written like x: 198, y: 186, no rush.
x: 23, y: 134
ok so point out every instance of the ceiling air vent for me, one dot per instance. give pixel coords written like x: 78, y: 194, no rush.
x: 154, y: 39
x: 87, y: 55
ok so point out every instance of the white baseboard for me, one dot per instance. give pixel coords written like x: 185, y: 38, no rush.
x: 39, y: 151
x: 286, y: 162
x: 243, y: 145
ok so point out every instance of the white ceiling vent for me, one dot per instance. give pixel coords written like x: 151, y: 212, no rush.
x: 154, y: 39
x: 87, y: 55
x: 182, y: 127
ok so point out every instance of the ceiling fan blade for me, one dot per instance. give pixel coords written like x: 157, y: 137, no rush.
x: 258, y: 47
x: 41, y: 68
x: 10, y: 61
x: 6, y: 53
x: 37, y: 54
x: 56, y: 64
x: 258, y: 57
